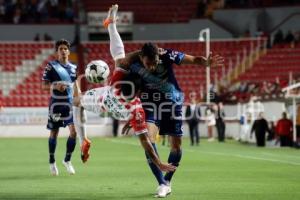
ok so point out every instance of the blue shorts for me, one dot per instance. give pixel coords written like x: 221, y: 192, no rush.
x: 60, y: 115
x: 168, y: 122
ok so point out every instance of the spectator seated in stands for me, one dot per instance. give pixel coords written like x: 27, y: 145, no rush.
x: 35, y: 11
x: 289, y: 37
x: 278, y: 38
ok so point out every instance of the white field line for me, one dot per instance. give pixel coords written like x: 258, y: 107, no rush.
x: 217, y: 153
x: 287, y: 156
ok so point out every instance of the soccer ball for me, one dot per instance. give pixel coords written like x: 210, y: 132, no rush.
x: 97, y: 71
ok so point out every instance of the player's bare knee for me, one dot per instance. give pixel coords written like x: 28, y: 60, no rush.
x: 152, y: 137
x: 175, y: 144
x: 152, y: 131
x: 72, y: 131
x: 53, y: 133
x: 175, y: 148
x: 76, y: 102
x: 73, y: 134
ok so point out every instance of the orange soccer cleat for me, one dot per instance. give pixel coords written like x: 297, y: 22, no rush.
x: 111, y: 16
x: 85, y: 148
x: 106, y: 22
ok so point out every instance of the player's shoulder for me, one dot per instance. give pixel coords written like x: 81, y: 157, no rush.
x: 166, y: 53
x: 162, y: 51
x: 72, y: 65
x: 50, y: 65
x: 52, y: 62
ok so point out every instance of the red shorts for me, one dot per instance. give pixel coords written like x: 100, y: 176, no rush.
x: 137, y: 115
x: 138, y: 122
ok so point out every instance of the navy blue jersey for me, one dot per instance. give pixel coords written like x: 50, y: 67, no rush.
x: 160, y: 85
x: 57, y: 72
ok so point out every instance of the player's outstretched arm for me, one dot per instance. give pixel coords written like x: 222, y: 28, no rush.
x: 46, y: 85
x: 211, y: 61
x: 145, y: 142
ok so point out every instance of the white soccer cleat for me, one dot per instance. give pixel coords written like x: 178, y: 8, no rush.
x: 69, y: 167
x: 53, y: 169
x: 112, y: 13
x: 163, y: 191
x: 111, y: 16
x: 169, y: 185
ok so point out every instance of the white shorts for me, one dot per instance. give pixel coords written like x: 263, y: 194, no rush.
x: 211, y: 120
x: 103, y: 99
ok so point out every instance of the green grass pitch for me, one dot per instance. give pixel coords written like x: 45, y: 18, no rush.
x: 117, y: 170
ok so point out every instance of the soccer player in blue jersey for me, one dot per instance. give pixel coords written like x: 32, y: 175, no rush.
x: 59, y: 78
x: 161, y: 95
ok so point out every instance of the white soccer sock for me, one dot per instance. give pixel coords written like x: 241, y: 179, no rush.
x: 79, y: 117
x: 116, y: 44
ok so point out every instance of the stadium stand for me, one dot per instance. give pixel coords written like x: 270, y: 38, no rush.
x: 22, y: 12
x: 23, y: 63
x: 150, y: 11
x: 21, y: 66
x: 191, y: 78
x: 277, y: 63
x: 273, y: 71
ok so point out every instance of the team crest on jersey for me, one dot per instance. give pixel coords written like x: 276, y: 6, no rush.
x: 56, y: 116
x: 161, y: 51
x: 73, y: 70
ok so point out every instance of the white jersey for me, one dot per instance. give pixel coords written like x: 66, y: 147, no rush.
x: 106, y: 99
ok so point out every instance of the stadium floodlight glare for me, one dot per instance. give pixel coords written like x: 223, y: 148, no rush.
x: 207, y: 48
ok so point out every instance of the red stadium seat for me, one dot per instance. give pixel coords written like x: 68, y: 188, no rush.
x: 11, y: 57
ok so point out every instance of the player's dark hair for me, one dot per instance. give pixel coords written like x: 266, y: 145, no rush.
x: 149, y: 50
x: 62, y: 42
x: 130, y: 90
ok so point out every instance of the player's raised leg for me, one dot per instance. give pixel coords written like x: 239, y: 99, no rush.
x: 116, y: 44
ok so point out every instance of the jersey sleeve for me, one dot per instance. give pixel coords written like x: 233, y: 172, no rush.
x: 138, y: 118
x: 75, y: 69
x: 172, y: 56
x: 47, y: 74
x: 118, y: 75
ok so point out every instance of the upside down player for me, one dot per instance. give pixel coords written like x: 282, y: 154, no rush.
x: 113, y: 100
x: 120, y: 100
x: 161, y: 96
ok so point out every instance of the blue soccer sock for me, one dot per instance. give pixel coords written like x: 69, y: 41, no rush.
x: 155, y: 170
x: 174, y: 158
x: 71, y: 143
x: 52, y: 147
